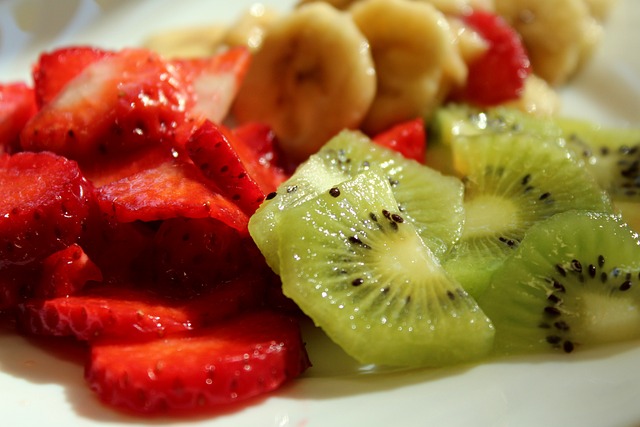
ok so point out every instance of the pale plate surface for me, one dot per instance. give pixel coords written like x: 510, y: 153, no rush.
x: 42, y: 385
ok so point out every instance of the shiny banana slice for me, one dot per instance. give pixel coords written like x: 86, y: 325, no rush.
x: 193, y: 42
x: 312, y: 77
x: 413, y: 52
x: 446, y: 6
x: 560, y: 36
x: 250, y: 28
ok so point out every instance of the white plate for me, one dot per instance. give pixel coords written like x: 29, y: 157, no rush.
x: 42, y: 384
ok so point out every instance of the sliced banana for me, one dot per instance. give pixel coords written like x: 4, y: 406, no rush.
x: 191, y: 42
x: 455, y: 7
x: 312, y: 77
x: 446, y: 6
x: 538, y: 98
x: 559, y: 35
x: 250, y: 28
x: 600, y: 9
x: 413, y: 52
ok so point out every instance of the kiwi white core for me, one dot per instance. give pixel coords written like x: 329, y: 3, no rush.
x: 487, y: 213
x: 606, y: 319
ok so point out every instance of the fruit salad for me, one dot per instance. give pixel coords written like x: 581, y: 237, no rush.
x: 182, y: 215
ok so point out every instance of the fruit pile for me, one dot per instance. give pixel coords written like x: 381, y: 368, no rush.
x: 124, y: 225
x: 183, y: 253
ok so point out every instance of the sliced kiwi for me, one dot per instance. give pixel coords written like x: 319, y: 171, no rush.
x: 511, y: 182
x: 427, y: 198
x: 612, y: 155
x: 574, y: 281
x: 362, y: 272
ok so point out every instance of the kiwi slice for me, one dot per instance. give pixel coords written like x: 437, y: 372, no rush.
x: 427, y: 198
x: 573, y: 282
x: 612, y: 155
x: 362, y: 272
x: 511, y: 182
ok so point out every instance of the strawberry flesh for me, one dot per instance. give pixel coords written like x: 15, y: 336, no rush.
x: 228, y: 363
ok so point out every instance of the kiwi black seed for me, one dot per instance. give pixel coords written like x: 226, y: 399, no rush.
x: 573, y: 282
x: 425, y: 197
x: 365, y: 276
x: 511, y: 182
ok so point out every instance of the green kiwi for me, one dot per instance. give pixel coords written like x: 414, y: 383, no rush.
x: 612, y: 155
x: 573, y: 282
x: 362, y: 272
x: 511, y: 182
x: 432, y: 201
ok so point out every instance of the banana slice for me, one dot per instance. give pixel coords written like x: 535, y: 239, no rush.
x: 538, y: 98
x: 600, y: 9
x: 456, y: 7
x: 312, y: 77
x: 446, y: 6
x: 560, y: 36
x: 250, y: 28
x: 413, y: 52
x: 191, y: 42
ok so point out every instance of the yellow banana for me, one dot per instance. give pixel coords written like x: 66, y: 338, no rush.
x: 312, y: 77
x: 415, y: 55
x: 559, y: 35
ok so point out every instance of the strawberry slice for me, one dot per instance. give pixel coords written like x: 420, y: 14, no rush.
x: 134, y: 314
x: 258, y: 147
x: 211, y: 150
x: 46, y: 204
x: 172, y: 189
x: 54, y: 70
x: 232, y: 362
x: 65, y: 272
x: 500, y: 73
x: 126, y: 100
x: 17, y: 106
x: 215, y: 81
x: 408, y: 138
x: 193, y: 255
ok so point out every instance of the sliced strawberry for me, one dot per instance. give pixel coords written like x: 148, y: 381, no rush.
x: 55, y: 69
x: 127, y: 313
x: 243, y: 358
x: 258, y: 147
x: 408, y: 138
x: 65, y: 272
x: 211, y: 150
x: 124, y: 251
x: 499, y: 74
x: 45, y: 205
x: 172, y: 189
x: 127, y: 100
x: 215, y: 81
x: 17, y: 106
x: 193, y: 255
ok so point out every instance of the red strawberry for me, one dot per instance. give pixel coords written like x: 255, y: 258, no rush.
x: 17, y: 106
x: 211, y: 150
x: 257, y: 146
x: 133, y: 314
x: 499, y: 74
x: 65, y: 272
x: 228, y: 363
x: 215, y: 81
x: 172, y: 189
x: 46, y: 205
x: 127, y: 100
x: 193, y: 255
x: 54, y: 70
x: 407, y: 138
